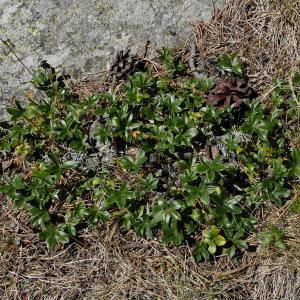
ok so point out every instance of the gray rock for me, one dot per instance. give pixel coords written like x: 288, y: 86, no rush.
x: 82, y: 36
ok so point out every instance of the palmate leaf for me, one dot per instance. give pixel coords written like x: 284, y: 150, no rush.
x: 39, y: 217
x: 120, y: 196
x: 229, y: 63
x: 274, y: 235
x: 143, y: 226
x: 213, y: 238
x: 103, y: 133
x: 16, y: 112
x: 12, y: 186
x: 80, y: 211
x: 279, y: 193
x: 149, y: 183
x: 256, y: 123
x: 52, y: 235
x: 95, y: 214
x: 276, y: 192
x: 134, y: 164
x: 201, y: 193
x: 79, y: 141
x: 190, y: 228
x: 200, y: 253
x: 123, y: 123
x: 210, y: 233
x: 71, y: 226
x: 165, y: 212
x: 185, y: 139
x: 172, y: 235
x: 210, y: 167
x: 188, y: 176
x: 174, y: 104
x: 266, y: 238
x: 172, y: 121
x: 172, y: 64
x: 205, y: 84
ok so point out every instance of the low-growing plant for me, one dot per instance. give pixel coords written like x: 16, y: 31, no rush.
x: 183, y: 171
x: 273, y: 236
x: 229, y: 63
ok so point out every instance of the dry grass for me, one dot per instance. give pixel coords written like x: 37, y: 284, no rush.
x: 264, y: 33
x: 111, y: 264
x: 115, y: 265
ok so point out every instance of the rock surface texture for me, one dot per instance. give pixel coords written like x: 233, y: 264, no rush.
x: 83, y: 36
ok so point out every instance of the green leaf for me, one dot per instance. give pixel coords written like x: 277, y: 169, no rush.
x: 205, y: 84
x: 103, y: 133
x: 219, y: 240
x: 231, y: 251
x: 202, y: 167
x: 296, y: 162
x: 295, y: 207
x: 165, y: 212
x: 134, y: 164
x: 188, y: 176
x: 280, y: 245
x: 143, y: 225
x: 210, y: 167
x: 94, y: 214
x: 197, y: 215
x: 238, y: 234
x: 104, y: 215
x: 52, y: 235
x: 241, y: 244
x: 207, y: 234
x: 120, y: 196
x: 69, y: 165
x: 278, y: 193
x: 80, y: 211
x: 16, y: 112
x: 201, y: 252
x: 296, y: 79
x: 172, y: 235
x: 191, y: 132
x: 230, y: 64
x: 212, y: 248
x: 190, y: 228
x: 39, y: 217
x: 12, y: 186
x: 149, y: 183
x: 231, y: 204
x: 214, y: 230
x: 71, y: 222
x: 71, y: 228
x: 266, y: 238
x: 201, y: 193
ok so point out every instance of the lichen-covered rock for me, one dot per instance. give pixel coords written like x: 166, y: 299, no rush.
x: 82, y: 36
